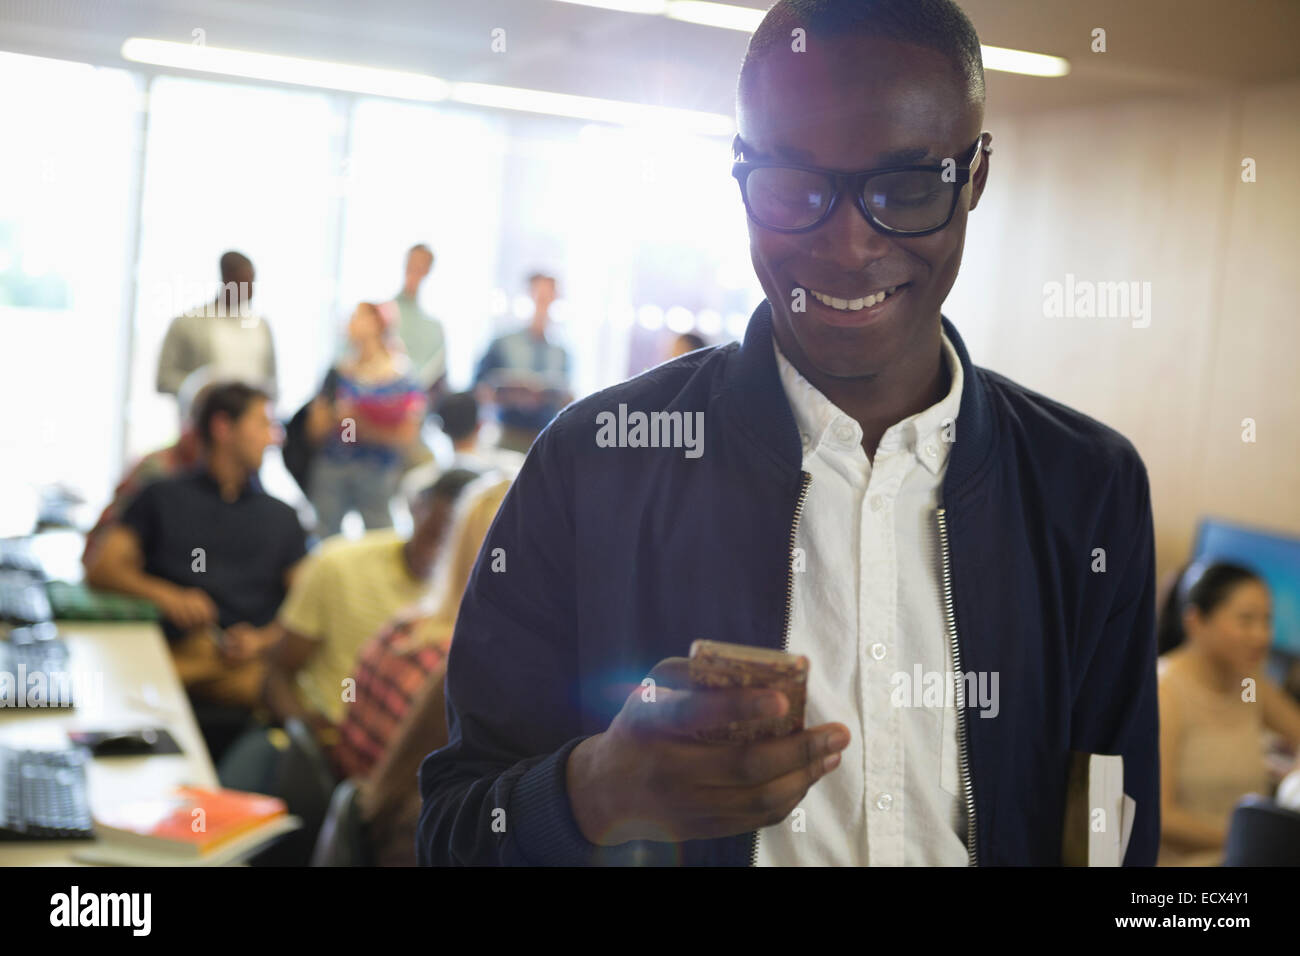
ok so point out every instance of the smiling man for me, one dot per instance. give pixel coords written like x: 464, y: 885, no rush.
x: 866, y: 496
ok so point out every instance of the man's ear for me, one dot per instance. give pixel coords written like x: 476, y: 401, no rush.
x: 981, y: 172
x: 219, y: 428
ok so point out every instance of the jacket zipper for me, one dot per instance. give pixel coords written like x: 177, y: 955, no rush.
x: 950, y: 618
x: 804, y: 482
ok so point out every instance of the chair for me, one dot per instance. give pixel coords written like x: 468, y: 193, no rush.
x: 220, y: 724
x: 305, y: 782
x: 342, y: 840
x: 1262, y: 834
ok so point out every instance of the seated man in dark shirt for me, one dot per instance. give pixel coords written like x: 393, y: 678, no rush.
x: 212, y: 551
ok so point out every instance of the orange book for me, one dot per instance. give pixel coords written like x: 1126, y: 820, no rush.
x: 190, y: 822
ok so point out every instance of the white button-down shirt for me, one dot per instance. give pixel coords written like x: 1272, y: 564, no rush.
x: 868, y: 613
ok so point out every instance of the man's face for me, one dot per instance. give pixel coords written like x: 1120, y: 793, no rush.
x: 242, y: 292
x: 248, y: 435
x: 418, y: 264
x: 543, y: 292
x: 844, y: 105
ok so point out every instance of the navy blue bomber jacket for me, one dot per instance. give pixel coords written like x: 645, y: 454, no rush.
x: 611, y: 559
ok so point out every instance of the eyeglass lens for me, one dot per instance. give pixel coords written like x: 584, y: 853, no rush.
x: 908, y: 201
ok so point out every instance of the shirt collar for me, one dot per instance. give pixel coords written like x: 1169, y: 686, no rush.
x: 203, y: 476
x: 928, y: 434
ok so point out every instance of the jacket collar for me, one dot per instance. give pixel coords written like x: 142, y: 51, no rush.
x: 754, y: 384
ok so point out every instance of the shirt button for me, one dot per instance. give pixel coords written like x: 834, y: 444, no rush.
x: 878, y: 651
x: 877, y: 502
x: 843, y: 432
x: 931, y: 450
x: 884, y: 801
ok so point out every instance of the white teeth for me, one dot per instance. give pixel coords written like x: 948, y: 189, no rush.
x: 853, y: 305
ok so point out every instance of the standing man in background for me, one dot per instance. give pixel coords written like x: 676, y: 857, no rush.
x: 525, y: 373
x: 421, y: 334
x: 224, y: 336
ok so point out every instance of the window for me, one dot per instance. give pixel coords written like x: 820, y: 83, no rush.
x: 241, y: 167
x: 67, y: 176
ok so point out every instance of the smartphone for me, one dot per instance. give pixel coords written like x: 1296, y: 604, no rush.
x: 714, y: 664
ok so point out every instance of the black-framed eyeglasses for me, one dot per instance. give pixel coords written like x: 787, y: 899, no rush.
x: 896, y: 200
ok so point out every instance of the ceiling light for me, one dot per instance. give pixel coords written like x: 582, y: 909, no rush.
x: 591, y: 108
x: 285, y: 69
x: 746, y: 19
x: 625, y: 6
x: 415, y: 86
x: 1020, y: 61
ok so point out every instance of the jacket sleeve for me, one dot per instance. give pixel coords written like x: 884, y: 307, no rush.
x: 174, y: 361
x: 1115, y: 709
x: 496, y: 793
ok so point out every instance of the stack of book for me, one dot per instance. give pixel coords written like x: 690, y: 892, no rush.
x: 190, y: 827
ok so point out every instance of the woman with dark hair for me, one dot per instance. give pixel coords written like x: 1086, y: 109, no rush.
x: 1215, y: 704
x: 366, y: 417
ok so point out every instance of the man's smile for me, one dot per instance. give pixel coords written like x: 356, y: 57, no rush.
x: 848, y: 302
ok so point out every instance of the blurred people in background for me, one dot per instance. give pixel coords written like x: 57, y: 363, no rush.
x: 458, y: 417
x: 420, y: 333
x: 226, y: 337
x: 180, y: 456
x: 1216, y: 702
x: 525, y: 374
x: 214, y: 554
x: 346, y: 590
x: 685, y: 343
x: 399, y: 714
x: 459, y: 414
x: 363, y: 423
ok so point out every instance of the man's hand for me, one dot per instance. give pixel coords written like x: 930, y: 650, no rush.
x: 244, y: 642
x: 648, y: 778
x: 187, y: 608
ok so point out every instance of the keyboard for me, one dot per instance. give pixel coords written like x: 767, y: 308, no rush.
x: 36, y: 650
x: 43, y: 795
x: 23, y: 600
x: 16, y: 555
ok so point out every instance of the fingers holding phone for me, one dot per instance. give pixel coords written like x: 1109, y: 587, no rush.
x: 699, y: 762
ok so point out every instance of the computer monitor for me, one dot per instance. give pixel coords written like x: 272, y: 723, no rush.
x: 1274, y: 556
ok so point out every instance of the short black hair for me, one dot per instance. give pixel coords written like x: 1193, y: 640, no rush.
x: 227, y: 398
x: 935, y: 24
x: 1204, y: 588
x: 231, y: 263
x: 459, y: 414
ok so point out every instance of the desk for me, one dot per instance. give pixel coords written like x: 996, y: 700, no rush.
x: 139, y: 688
